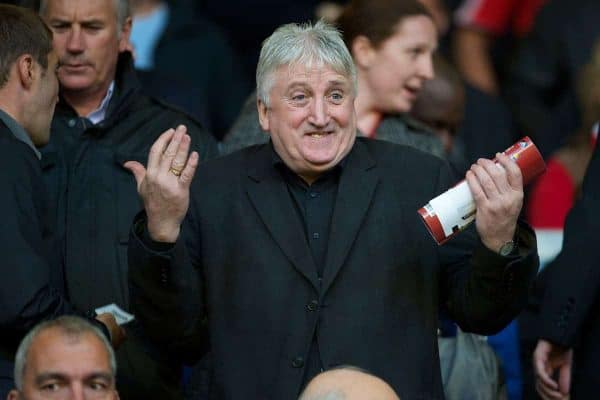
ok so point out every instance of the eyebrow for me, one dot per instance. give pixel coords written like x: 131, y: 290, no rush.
x: 45, y: 376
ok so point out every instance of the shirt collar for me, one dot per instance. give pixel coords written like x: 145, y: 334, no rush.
x: 18, y: 131
x: 99, y: 113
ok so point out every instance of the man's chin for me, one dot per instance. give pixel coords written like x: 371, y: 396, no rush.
x: 75, y: 84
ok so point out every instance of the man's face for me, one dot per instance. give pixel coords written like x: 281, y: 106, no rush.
x: 311, y: 118
x: 44, y: 96
x: 88, y: 40
x: 67, y: 367
x: 401, y: 64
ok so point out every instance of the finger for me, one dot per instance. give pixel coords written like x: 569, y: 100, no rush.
x: 542, y: 373
x: 476, y: 189
x: 190, y: 169
x: 513, y: 172
x: 182, y: 154
x: 485, y: 180
x: 498, y: 174
x: 137, y: 169
x: 158, y: 148
x: 171, y: 149
x: 564, y: 379
x: 547, y: 393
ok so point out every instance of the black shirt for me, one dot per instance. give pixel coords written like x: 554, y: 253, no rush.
x: 314, y: 204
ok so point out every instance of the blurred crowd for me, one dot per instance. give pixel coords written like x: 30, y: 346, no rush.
x: 490, y: 73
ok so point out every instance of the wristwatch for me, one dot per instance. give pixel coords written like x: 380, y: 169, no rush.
x: 507, y: 248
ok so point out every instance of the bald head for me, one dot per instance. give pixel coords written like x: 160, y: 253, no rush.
x: 347, y: 384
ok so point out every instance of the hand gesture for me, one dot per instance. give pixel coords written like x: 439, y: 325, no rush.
x: 117, y: 333
x: 549, y: 359
x: 498, y: 194
x: 165, y: 185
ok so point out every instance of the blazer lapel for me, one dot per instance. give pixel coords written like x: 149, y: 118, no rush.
x: 357, y: 186
x: 270, y: 197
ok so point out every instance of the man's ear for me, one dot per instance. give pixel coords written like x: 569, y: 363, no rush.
x: 263, y: 115
x: 13, y: 395
x: 363, y: 52
x: 26, y: 66
x: 124, y: 43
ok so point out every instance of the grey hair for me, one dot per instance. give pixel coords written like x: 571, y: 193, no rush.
x: 122, y: 8
x: 306, y: 45
x: 68, y: 325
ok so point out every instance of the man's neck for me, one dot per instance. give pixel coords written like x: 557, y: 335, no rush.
x: 8, y: 104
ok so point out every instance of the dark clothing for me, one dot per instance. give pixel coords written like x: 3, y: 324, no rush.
x: 543, y: 75
x: 94, y: 198
x: 256, y: 299
x: 196, y: 69
x: 30, y: 270
x: 570, y: 309
x: 314, y: 205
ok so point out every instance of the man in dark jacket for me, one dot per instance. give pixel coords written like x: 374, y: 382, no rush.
x: 567, y: 356
x: 324, y: 261
x: 28, y: 95
x: 101, y: 121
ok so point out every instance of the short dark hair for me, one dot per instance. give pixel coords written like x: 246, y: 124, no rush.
x: 22, y: 31
x: 377, y: 20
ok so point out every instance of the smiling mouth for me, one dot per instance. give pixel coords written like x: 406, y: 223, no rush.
x: 319, y: 134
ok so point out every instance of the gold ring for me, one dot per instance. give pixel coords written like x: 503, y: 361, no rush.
x: 175, y: 171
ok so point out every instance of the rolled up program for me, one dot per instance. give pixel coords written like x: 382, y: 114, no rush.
x: 454, y: 210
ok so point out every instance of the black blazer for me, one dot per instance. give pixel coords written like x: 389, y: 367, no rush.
x: 255, y: 284
x: 30, y: 271
x: 570, y: 310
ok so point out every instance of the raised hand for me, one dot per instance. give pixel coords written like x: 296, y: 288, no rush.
x: 165, y: 185
x: 498, y: 194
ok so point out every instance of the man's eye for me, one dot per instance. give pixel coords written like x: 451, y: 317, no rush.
x: 51, y: 387
x: 98, y: 386
x: 336, y: 97
x: 299, y: 97
x: 59, y: 27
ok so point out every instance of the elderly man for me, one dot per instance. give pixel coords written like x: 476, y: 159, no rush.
x: 347, y: 383
x: 101, y: 121
x: 29, y: 268
x: 67, y: 359
x: 307, y: 252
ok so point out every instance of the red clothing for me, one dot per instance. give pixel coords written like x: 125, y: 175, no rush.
x: 498, y: 16
x: 551, y: 197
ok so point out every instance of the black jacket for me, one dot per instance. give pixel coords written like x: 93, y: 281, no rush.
x: 254, y: 279
x: 31, y: 280
x: 570, y: 310
x: 92, y: 197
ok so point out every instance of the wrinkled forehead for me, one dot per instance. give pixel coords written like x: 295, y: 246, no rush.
x: 80, y: 9
x: 311, y: 73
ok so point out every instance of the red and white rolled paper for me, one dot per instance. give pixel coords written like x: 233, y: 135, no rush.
x: 454, y: 210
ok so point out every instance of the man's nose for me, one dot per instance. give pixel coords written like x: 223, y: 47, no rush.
x: 319, y: 115
x: 75, y: 41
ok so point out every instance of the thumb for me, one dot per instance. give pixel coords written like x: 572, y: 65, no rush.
x: 137, y: 169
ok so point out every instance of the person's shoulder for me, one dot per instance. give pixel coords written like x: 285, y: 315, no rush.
x: 225, y: 173
x: 393, y: 155
x: 17, y: 159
